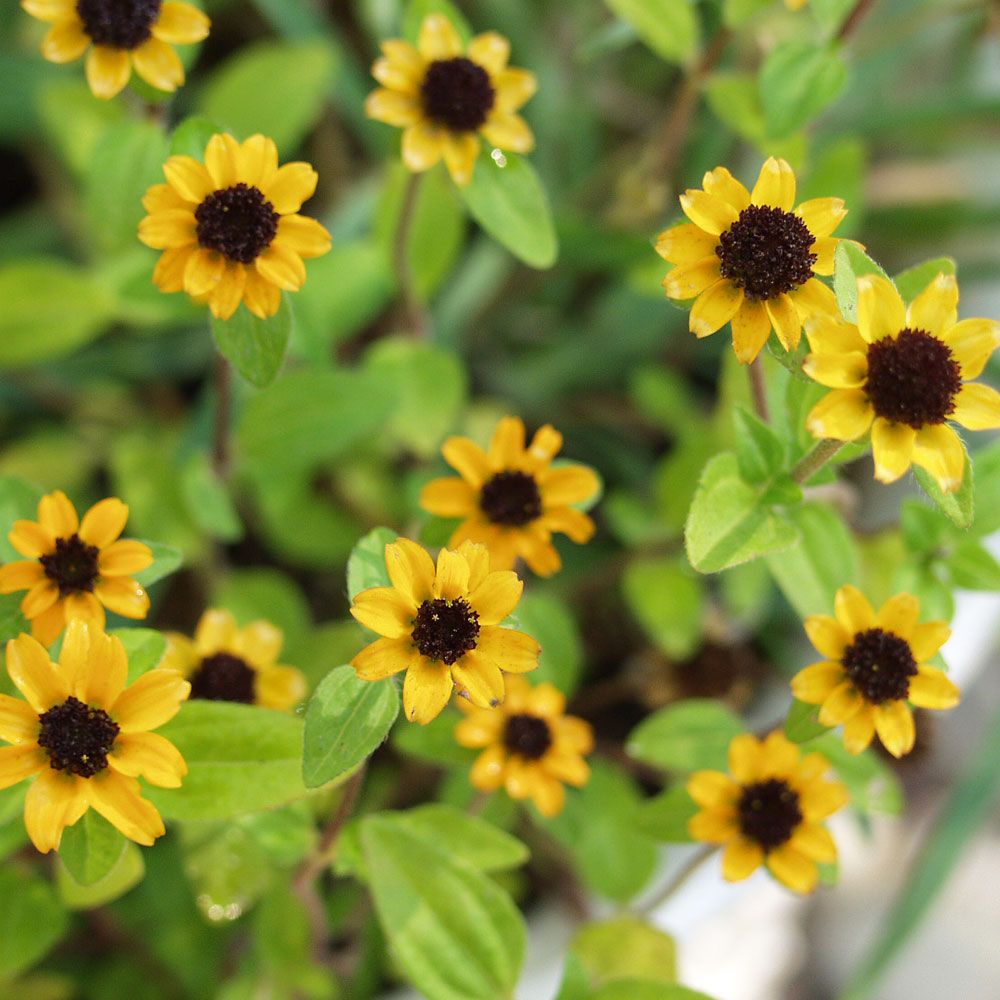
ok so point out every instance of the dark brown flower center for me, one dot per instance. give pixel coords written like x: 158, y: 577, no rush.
x: 120, y: 24
x: 238, y: 222
x: 77, y: 737
x: 766, y: 252
x: 528, y: 736
x: 880, y: 664
x: 912, y: 378
x: 457, y: 93
x: 445, y: 630
x: 223, y: 677
x: 511, y: 498
x: 769, y: 812
x: 73, y: 566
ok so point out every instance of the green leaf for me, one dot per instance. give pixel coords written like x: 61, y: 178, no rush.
x: 688, y: 736
x: 802, y: 722
x: 273, y: 87
x: 574, y: 985
x: 549, y: 620
x: 914, y: 280
x: 126, y: 872
x: 797, y: 81
x: 760, y: 453
x: 417, y: 10
x: 871, y: 781
x: 143, y: 646
x: 988, y: 489
x: 346, y: 720
x: 12, y: 620
x: 241, y: 759
x: 50, y: 308
x: 665, y: 817
x: 255, y: 347
x: 668, y: 27
x: 735, y: 13
x: 454, y: 932
x: 31, y: 920
x: 435, y: 742
x: 91, y: 848
x: 208, y: 501
x: 191, y: 137
x: 851, y: 263
x: 960, y: 506
x: 507, y: 199
x: 18, y: 501
x: 263, y: 592
x: 166, y: 560
x: 668, y: 601
x: 366, y: 567
x: 625, y: 947
x: 973, y: 567
x: 730, y: 522
x: 735, y: 100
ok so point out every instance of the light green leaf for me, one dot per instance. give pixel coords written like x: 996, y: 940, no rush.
x: 143, y: 646
x: 548, y: 619
x: 735, y: 100
x: 366, y: 566
x: 668, y: 27
x: 914, y: 280
x: 873, y: 785
x: 431, y: 905
x: 960, y: 506
x: 208, y: 501
x: 417, y: 10
x: 760, y: 453
x: 166, y: 560
x: 262, y: 592
x: 31, y: 920
x: 665, y: 817
x: 126, y: 872
x: 191, y: 136
x: 668, y: 602
x: 507, y: 199
x: 625, y: 947
x: 851, y: 263
x: 802, y: 722
x: 255, y: 347
x: 435, y: 742
x: 346, y: 720
x: 735, y: 13
x: 91, y: 848
x: 688, y: 736
x: 798, y: 80
x: 973, y: 567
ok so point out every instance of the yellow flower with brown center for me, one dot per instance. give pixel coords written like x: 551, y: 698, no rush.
x: 87, y: 736
x: 227, y: 663
x: 75, y: 569
x: 530, y: 746
x: 768, y: 810
x: 120, y: 34
x: 901, y: 373
x: 445, y: 97
x: 511, y: 499
x: 749, y: 258
x: 442, y: 626
x: 875, y: 668
x: 229, y: 229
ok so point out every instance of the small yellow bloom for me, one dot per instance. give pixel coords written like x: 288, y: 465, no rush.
x: 901, y: 373
x: 229, y: 229
x: 443, y: 97
x: 748, y: 258
x: 442, y: 626
x: 511, y: 499
x: 75, y: 569
x: 87, y: 736
x: 120, y: 35
x: 795, y: 4
x: 530, y: 747
x: 227, y: 663
x: 768, y: 810
x: 875, y: 668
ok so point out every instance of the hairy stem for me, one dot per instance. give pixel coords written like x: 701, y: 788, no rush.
x: 223, y: 381
x: 758, y: 389
x: 813, y: 461
x: 414, y: 314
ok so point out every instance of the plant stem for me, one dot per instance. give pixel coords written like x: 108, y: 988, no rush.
x: 223, y: 380
x: 414, y: 315
x: 758, y: 389
x: 813, y: 461
x: 861, y: 8
x: 678, y: 881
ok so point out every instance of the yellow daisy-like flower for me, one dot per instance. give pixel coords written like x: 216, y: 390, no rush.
x: 511, y: 499
x: 530, y: 746
x: 768, y: 810
x: 120, y: 34
x: 229, y: 229
x: 445, y: 98
x: 227, y: 663
x: 748, y: 258
x: 442, y: 626
x: 901, y: 373
x: 75, y: 569
x: 87, y: 736
x: 874, y: 670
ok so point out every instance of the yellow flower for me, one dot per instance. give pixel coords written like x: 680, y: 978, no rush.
x: 229, y: 229
x: 75, y: 569
x: 874, y: 669
x: 795, y: 4
x: 443, y: 98
x: 530, y: 747
x: 442, y: 626
x: 901, y: 372
x: 120, y: 35
x: 747, y: 257
x: 226, y: 663
x: 87, y: 736
x: 768, y: 810
x: 511, y: 500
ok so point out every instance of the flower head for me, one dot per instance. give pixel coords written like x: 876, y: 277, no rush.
x: 875, y: 668
x: 227, y: 663
x: 75, y: 569
x: 747, y: 257
x: 229, y: 229
x: 511, y: 499
x: 768, y: 810
x: 530, y: 747
x: 87, y: 736
x: 120, y: 34
x: 442, y: 626
x: 445, y: 98
x: 901, y: 373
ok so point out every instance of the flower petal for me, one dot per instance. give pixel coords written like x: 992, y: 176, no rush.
x: 822, y: 215
x: 751, y: 329
x: 859, y: 731
x: 894, y: 725
x: 892, y: 449
x: 853, y: 610
x: 478, y: 679
x: 259, y: 643
x: 460, y: 154
x: 842, y: 703
x: 118, y: 799
x: 689, y: 280
x: 31, y: 539
x: 124, y: 596
x: 32, y: 672
x: 169, y: 229
x: 838, y: 371
x: 568, y: 484
x: 512, y: 651
x: 148, y: 755
x: 830, y: 335
x: 21, y: 761
x: 426, y: 690
x: 927, y: 638
x: 792, y: 869
x: 745, y: 758
x: 438, y: 38
x: 181, y: 24
x: 385, y: 610
x: 54, y: 801
x: 940, y: 451
x: 721, y: 183
x: 108, y: 71
x: 843, y: 414
x: 280, y: 687
x: 149, y: 702
x: 708, y: 212
x: 18, y: 720
x: 58, y: 515
x: 104, y: 522
x: 712, y: 788
x: 932, y: 688
x: 423, y: 146
x: 411, y: 569
x: 775, y: 185
x: 514, y: 88
x: 451, y: 576
x: 741, y: 859
x: 496, y: 597
x: 571, y: 522
x: 303, y: 235
x: 449, y: 497
x: 292, y: 185
x: 508, y: 131
x: 21, y: 575
x: 815, y: 683
x: 122, y: 558
x: 188, y: 178
x: 935, y: 309
x: 225, y: 297
x: 977, y: 407
x: 814, y: 299
x: 259, y: 296
x: 65, y: 41
x: 467, y: 459
x: 685, y: 244
x: 385, y: 657
x: 899, y: 615
x: 393, y: 107
x: 282, y: 267
x: 487, y: 773
x: 714, y: 308
x: 971, y: 343
x: 159, y: 65
x: 490, y: 50
x: 221, y: 159
x: 786, y: 320
x: 814, y: 841
x: 881, y: 312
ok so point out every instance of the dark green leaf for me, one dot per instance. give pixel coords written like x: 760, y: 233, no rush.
x: 31, y: 920
x: 255, y: 347
x: 366, y: 568
x: 668, y: 27
x: 668, y: 601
